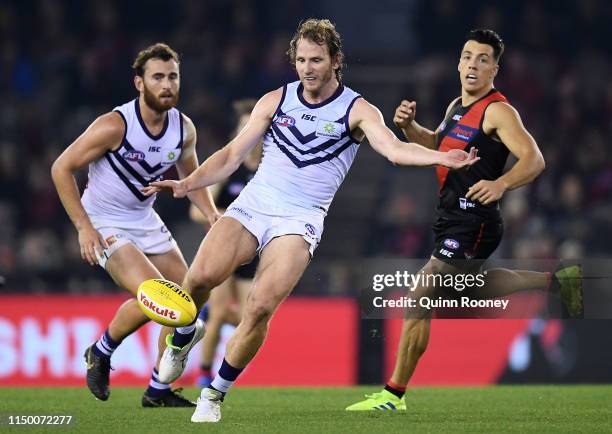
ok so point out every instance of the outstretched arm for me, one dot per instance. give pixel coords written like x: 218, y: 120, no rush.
x: 225, y: 161
x: 368, y: 119
x: 504, y: 121
x: 103, y: 135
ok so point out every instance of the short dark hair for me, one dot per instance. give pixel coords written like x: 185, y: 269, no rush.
x: 489, y: 37
x: 156, y: 51
x: 321, y: 32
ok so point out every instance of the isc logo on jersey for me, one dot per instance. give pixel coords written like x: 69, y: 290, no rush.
x: 166, y: 303
x: 447, y: 253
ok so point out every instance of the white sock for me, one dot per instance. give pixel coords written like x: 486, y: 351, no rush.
x: 186, y: 329
x: 221, y: 384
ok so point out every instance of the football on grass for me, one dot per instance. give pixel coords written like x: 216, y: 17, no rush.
x: 166, y: 303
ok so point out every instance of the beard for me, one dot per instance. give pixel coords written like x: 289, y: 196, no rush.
x: 324, y: 78
x: 156, y: 103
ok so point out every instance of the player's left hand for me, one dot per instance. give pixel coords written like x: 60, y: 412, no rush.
x: 458, y: 159
x: 486, y: 192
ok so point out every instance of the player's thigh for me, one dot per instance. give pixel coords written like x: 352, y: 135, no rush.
x: 282, y: 263
x: 426, y: 284
x: 171, y: 265
x: 227, y: 245
x: 129, y: 267
x: 455, y: 268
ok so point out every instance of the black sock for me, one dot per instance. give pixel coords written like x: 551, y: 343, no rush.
x: 180, y: 338
x: 397, y: 392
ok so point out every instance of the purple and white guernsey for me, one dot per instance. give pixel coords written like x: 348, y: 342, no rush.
x: 113, y: 190
x: 308, y: 151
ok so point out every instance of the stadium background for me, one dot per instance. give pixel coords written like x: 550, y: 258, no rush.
x: 65, y: 62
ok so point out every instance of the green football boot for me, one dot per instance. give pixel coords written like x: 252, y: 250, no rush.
x: 383, y: 400
x: 570, y: 289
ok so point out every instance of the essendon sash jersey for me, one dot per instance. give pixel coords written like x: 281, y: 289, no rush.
x: 462, y: 129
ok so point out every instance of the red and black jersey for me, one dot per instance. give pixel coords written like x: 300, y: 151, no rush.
x: 462, y: 129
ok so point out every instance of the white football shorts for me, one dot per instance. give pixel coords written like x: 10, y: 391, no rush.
x: 267, y: 222
x: 152, y: 237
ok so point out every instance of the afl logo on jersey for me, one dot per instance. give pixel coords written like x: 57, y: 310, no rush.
x: 451, y: 244
x: 285, y: 121
x: 310, y: 228
x: 134, y: 155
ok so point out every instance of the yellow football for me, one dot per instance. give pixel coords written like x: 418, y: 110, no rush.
x: 166, y: 303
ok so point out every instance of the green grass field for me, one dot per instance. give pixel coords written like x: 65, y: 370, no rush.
x: 306, y: 410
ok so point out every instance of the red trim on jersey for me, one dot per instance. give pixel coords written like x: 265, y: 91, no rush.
x: 478, y: 238
x: 472, y: 119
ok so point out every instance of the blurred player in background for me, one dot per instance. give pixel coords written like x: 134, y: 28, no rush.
x: 227, y: 301
x: 118, y: 229
x: 311, y: 132
x: 469, y: 225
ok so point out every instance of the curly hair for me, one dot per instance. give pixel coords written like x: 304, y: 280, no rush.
x: 156, y: 51
x: 321, y: 32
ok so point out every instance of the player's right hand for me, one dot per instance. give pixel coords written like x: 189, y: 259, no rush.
x: 456, y: 159
x: 92, y: 244
x: 404, y: 114
x: 178, y: 188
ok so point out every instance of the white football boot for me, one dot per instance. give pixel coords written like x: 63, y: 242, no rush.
x: 209, y: 406
x: 174, y: 359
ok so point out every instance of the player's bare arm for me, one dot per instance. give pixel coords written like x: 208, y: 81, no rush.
x: 367, y: 118
x: 186, y: 165
x: 502, y: 120
x: 225, y: 161
x: 405, y: 119
x: 103, y: 135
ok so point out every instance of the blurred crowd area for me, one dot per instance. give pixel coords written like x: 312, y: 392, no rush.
x: 63, y: 63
